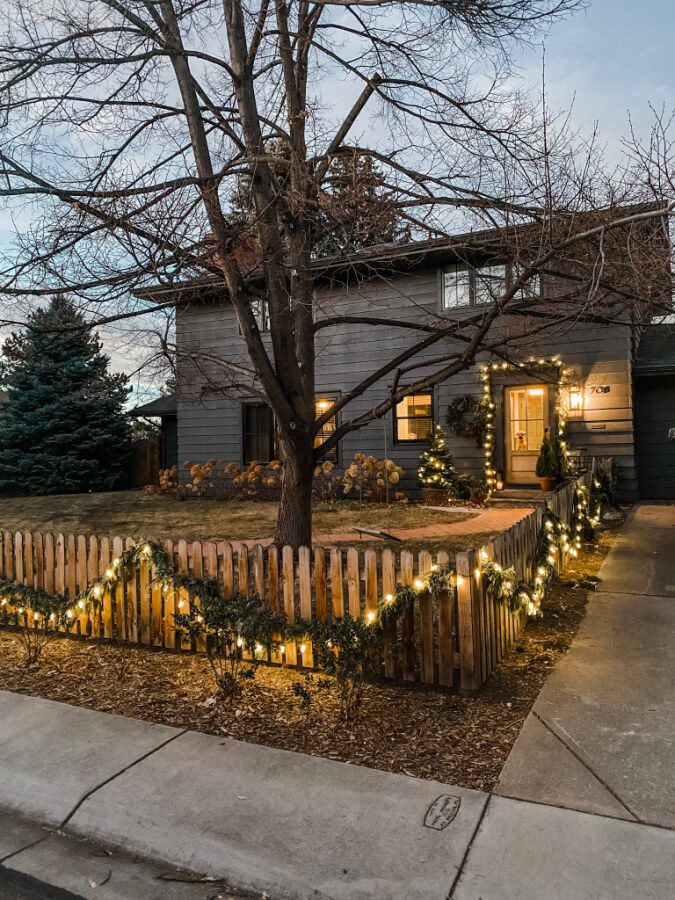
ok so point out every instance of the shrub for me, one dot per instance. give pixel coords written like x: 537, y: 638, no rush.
x: 349, y: 650
x: 469, y: 488
x: 327, y: 483
x: 229, y: 628
x: 37, y: 617
x: 371, y: 478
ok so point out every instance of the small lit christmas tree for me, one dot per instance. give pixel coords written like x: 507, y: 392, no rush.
x: 435, y: 467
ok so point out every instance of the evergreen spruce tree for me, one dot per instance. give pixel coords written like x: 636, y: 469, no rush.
x: 435, y: 467
x: 64, y: 429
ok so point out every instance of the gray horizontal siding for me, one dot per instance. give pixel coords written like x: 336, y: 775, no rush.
x: 599, y: 355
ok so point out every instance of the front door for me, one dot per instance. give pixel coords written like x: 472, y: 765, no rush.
x: 525, y: 421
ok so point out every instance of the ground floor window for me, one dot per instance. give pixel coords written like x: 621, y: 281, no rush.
x: 322, y: 405
x: 414, y: 418
x: 258, y: 430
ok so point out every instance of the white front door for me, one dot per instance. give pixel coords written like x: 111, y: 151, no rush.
x: 525, y: 421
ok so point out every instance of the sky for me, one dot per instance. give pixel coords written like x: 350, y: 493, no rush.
x: 610, y: 60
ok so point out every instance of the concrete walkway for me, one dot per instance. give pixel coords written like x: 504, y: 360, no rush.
x: 584, y: 808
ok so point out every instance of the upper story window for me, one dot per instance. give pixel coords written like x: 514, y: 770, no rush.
x: 489, y: 283
x: 465, y: 285
x: 414, y: 418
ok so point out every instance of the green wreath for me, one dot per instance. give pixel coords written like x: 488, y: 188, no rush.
x: 467, y: 417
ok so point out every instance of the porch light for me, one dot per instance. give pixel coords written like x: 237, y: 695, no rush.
x: 536, y: 392
x: 575, y: 404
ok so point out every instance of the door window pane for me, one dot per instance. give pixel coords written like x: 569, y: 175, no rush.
x: 414, y: 418
x: 528, y: 416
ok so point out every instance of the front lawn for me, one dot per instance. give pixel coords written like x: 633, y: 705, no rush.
x: 135, y: 514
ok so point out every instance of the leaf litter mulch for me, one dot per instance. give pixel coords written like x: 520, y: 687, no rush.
x: 415, y: 731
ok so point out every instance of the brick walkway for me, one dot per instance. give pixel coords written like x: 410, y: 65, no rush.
x: 487, y: 520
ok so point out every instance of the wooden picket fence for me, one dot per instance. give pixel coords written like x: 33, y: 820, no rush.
x: 456, y: 640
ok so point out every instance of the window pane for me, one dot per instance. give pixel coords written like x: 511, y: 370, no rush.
x: 258, y: 433
x: 527, y: 418
x: 456, y: 287
x: 490, y: 282
x: 323, y: 404
x: 260, y: 314
x: 531, y: 288
x: 414, y: 419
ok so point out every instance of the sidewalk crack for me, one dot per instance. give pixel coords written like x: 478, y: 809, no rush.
x: 579, y: 759
x: 126, y: 768
x: 460, y: 868
x: 27, y: 847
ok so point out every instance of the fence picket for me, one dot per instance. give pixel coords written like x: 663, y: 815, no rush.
x: 408, y: 620
x: 388, y: 591
x: 169, y: 605
x: 337, y: 595
x: 354, y: 583
x: 288, y: 572
x: 426, y: 622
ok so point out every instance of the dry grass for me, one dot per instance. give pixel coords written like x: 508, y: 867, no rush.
x: 135, y: 514
x: 460, y: 740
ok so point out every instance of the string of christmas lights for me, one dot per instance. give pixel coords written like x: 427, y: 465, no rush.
x: 486, y: 372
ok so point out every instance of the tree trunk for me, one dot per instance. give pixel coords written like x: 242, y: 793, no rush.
x: 294, y: 522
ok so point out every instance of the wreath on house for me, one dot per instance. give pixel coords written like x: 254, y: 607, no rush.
x: 467, y: 417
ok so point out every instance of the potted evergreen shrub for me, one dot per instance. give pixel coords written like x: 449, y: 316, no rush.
x: 547, y: 465
x: 435, y: 471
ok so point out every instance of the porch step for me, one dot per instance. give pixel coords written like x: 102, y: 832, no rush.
x: 513, y: 497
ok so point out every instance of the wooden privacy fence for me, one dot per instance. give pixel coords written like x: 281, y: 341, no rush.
x: 457, y: 639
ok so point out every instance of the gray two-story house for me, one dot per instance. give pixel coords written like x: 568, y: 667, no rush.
x: 220, y: 416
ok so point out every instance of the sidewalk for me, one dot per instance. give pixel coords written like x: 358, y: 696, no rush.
x: 584, y: 808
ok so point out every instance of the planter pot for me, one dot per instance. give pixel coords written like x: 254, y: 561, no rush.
x: 547, y: 483
x: 434, y: 496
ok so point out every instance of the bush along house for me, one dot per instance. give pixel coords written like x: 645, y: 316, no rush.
x: 558, y: 359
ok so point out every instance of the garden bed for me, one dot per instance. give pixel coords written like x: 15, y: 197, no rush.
x: 460, y: 740
x: 136, y: 514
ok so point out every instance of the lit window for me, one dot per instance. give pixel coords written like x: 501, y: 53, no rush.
x: 528, y: 418
x: 414, y: 419
x: 456, y: 287
x: 323, y: 404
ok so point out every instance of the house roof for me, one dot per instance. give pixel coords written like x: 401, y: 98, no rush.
x: 656, y: 351
x: 165, y: 405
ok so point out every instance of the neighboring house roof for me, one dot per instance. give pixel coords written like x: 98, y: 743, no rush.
x: 162, y: 406
x: 656, y: 351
